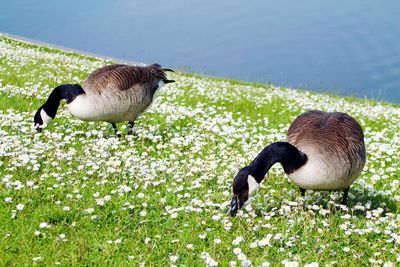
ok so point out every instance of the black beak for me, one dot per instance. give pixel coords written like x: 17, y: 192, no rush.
x: 236, y: 204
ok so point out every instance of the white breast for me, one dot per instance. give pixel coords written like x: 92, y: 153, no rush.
x: 107, y: 108
x: 321, y: 173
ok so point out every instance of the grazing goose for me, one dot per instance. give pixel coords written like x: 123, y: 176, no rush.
x: 114, y: 93
x: 324, y: 151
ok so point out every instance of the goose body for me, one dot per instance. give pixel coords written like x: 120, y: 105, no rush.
x: 323, y: 151
x: 114, y: 93
x: 112, y: 108
x: 334, y: 145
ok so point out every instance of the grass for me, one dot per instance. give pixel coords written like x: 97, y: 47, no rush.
x: 77, y: 195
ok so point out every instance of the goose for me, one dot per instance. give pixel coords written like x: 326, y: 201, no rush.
x: 113, y: 93
x: 323, y: 151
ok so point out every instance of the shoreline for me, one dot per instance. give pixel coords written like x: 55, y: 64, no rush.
x: 120, y: 60
x: 68, y: 49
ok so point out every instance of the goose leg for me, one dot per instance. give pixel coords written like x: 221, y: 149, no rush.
x: 345, y: 194
x: 130, y: 127
x: 303, y: 192
x: 115, y: 129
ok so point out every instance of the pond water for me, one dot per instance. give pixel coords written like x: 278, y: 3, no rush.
x: 345, y: 47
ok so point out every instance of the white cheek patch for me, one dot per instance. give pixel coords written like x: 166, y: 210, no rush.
x: 253, y: 185
x: 160, y: 84
x: 45, y: 118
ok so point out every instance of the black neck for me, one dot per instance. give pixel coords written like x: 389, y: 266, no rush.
x: 289, y: 156
x: 67, y: 92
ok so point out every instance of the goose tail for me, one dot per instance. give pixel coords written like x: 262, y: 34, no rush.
x: 165, y: 69
x: 156, y: 65
x: 168, y: 81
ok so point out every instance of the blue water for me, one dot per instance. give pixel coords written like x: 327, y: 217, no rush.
x: 346, y: 47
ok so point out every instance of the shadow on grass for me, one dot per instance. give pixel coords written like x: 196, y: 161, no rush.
x: 362, y: 201
x: 375, y: 200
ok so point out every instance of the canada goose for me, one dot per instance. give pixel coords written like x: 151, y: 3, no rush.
x: 114, y: 93
x: 324, y: 151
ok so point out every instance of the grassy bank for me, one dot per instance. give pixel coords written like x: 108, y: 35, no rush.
x: 77, y: 195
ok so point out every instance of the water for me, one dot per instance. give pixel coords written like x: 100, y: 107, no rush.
x: 345, y: 47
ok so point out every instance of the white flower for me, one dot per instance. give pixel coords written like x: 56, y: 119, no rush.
x: 140, y: 195
x: 313, y: 264
x: 241, y: 256
x: 290, y: 263
x: 173, y: 258
x: 20, y: 207
x: 61, y: 236
x: 265, y: 241
x: 324, y: 212
x: 253, y: 245
x: 143, y: 213
x: 66, y: 208
x: 44, y: 225
x: 29, y: 183
x: 88, y: 210
x: 237, y: 251
x: 217, y: 241
x: 216, y: 217
x: 36, y: 258
x: 346, y: 216
x: 237, y: 240
x: 246, y: 263
x: 100, y: 202
x: 346, y: 249
x: 37, y: 233
x: 202, y: 236
x: 8, y: 200
x: 211, y: 262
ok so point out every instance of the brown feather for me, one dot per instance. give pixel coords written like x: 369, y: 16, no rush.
x: 120, y: 77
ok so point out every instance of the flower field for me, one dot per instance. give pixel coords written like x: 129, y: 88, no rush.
x: 76, y: 194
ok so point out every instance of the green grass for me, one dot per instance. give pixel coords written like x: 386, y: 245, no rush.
x: 163, y: 192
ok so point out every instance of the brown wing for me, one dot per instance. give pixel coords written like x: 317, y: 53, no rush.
x: 123, y: 77
x: 330, y: 134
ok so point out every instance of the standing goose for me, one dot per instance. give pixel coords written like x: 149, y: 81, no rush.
x: 324, y: 151
x: 114, y: 93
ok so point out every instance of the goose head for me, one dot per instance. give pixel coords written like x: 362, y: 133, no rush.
x: 41, y: 119
x: 244, y: 186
